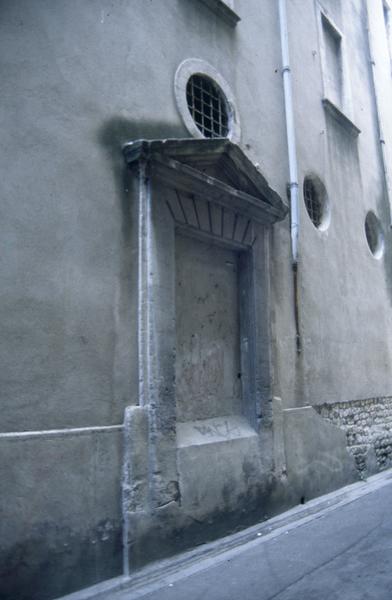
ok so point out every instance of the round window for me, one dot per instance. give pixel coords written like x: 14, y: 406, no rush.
x: 374, y: 235
x: 316, y: 202
x: 205, y: 101
x: 208, y: 106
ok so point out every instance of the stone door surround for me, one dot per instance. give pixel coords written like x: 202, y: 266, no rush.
x: 207, y: 189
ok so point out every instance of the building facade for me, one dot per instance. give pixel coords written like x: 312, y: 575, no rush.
x: 196, y: 273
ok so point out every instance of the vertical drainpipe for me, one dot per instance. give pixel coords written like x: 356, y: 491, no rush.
x: 292, y: 154
x: 380, y: 124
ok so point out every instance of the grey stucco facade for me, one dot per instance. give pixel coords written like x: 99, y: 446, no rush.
x: 153, y: 395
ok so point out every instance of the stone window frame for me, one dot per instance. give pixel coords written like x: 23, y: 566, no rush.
x: 196, y: 66
x: 387, y: 14
x: 374, y: 235
x: 343, y: 111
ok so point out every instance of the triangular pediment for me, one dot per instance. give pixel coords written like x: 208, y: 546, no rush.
x: 219, y: 166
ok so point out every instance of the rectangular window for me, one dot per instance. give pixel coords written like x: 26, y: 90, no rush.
x: 224, y: 9
x: 333, y: 68
x: 387, y: 23
x: 335, y: 72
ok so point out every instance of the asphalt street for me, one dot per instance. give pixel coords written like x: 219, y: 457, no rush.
x: 343, y: 553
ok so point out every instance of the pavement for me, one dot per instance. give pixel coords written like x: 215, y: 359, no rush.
x: 338, y: 547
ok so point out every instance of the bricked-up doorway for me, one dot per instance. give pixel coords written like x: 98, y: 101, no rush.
x: 208, y: 359
x: 201, y: 215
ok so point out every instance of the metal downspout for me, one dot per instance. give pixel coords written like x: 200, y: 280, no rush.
x: 292, y: 155
x: 380, y: 125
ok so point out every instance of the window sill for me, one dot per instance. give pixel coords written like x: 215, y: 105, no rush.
x: 220, y: 8
x: 336, y: 113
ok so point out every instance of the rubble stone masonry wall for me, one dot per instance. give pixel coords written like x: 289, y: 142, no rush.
x: 368, y: 427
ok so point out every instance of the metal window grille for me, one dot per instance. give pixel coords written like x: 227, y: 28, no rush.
x: 207, y: 106
x: 371, y: 235
x: 313, y: 203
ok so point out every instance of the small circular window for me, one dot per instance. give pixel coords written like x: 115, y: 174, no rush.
x: 374, y: 235
x: 205, y: 101
x: 316, y: 202
x: 208, y: 106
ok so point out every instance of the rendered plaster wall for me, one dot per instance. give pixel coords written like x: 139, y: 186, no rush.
x: 60, y: 512
x: 73, y: 93
x: 72, y: 85
x: 79, y: 80
x: 316, y: 458
x: 344, y: 292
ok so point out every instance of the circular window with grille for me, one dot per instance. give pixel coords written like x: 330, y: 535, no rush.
x: 316, y: 202
x: 208, y: 106
x: 374, y: 235
x: 205, y: 101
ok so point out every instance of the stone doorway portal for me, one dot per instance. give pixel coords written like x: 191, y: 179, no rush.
x: 197, y: 441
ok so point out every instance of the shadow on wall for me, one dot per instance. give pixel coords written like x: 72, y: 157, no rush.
x: 55, y: 559
x: 114, y: 134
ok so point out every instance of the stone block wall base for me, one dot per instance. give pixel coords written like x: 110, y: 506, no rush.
x: 368, y: 428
